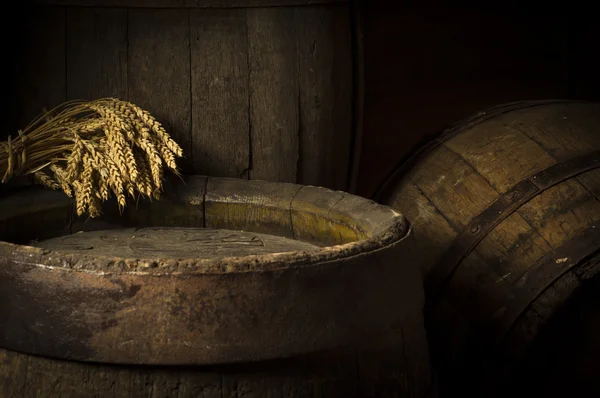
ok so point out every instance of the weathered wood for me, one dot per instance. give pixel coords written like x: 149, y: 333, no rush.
x: 253, y: 92
x: 571, y: 367
x: 452, y: 180
x: 506, y: 204
x: 221, y: 126
x: 257, y: 207
x: 159, y: 71
x: 359, y: 94
x: 274, y: 113
x: 517, y: 149
x: 188, y: 296
x: 96, y: 53
x: 311, y: 220
x: 126, y: 283
x: 185, y: 3
x: 375, y: 370
x: 324, y: 70
x: 41, y: 75
x: 161, y: 243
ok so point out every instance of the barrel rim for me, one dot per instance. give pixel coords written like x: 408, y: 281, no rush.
x: 393, y: 230
x: 200, y: 317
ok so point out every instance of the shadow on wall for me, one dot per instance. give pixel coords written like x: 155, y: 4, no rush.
x: 428, y: 67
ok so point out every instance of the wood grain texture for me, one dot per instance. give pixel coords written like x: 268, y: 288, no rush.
x: 378, y: 370
x: 498, y: 294
x: 185, y: 3
x: 450, y: 180
x: 159, y: 71
x: 325, y: 67
x: 557, y: 370
x: 560, y: 212
x: 96, y: 53
x: 274, y: 94
x: 41, y: 76
x: 359, y: 93
x: 175, y: 242
x: 591, y: 181
x: 515, y: 155
x: 221, y: 126
x: 248, y: 92
x: 439, y: 231
x: 268, y: 211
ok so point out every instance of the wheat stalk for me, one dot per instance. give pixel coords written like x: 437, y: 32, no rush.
x: 92, y: 150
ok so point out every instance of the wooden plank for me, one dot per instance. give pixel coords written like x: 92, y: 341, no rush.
x: 591, y: 181
x: 564, y: 130
x: 512, y: 248
x: 96, y: 53
x: 418, y: 370
x: 454, y: 187
x: 503, y: 156
x: 13, y: 374
x: 159, y: 71
x: 477, y: 291
x: 359, y: 94
x: 274, y: 114
x: 260, y: 207
x: 376, y: 369
x: 427, y: 221
x: 220, y: 115
x: 42, y: 69
x: 561, y: 212
x: 185, y: 3
x: 563, y: 358
x: 172, y: 242
x: 324, y: 39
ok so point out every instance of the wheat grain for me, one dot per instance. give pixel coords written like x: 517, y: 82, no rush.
x: 145, y: 180
x: 60, y: 174
x: 75, y: 160
x: 91, y: 148
x: 46, y: 180
x: 157, y: 127
x: 85, y: 192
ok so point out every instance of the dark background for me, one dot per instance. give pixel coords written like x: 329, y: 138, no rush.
x: 430, y: 66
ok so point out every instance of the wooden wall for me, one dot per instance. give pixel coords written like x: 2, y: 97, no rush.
x: 250, y: 92
x: 426, y: 67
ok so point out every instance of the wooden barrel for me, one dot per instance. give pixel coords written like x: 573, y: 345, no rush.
x: 506, y: 213
x: 225, y: 288
x: 258, y: 89
x: 564, y: 358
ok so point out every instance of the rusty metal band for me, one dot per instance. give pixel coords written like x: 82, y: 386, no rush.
x: 549, y: 269
x: 580, y: 252
x: 501, y: 209
x: 433, y: 141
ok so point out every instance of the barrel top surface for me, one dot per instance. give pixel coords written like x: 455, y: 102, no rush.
x: 313, y: 269
x: 372, y: 226
x: 204, y: 243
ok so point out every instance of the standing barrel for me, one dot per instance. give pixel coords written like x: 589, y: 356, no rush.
x: 506, y: 212
x: 223, y: 288
x: 255, y: 89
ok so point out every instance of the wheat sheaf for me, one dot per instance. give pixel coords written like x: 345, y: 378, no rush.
x: 93, y: 150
